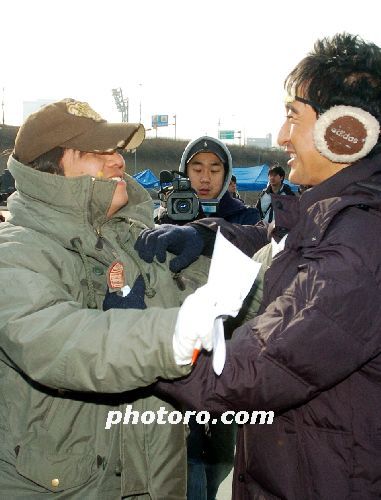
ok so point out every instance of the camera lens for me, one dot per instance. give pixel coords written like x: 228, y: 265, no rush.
x: 182, y: 206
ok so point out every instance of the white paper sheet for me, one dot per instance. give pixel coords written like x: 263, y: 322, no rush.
x: 231, y: 276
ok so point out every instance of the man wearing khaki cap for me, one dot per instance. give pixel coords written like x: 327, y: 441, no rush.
x: 65, y: 364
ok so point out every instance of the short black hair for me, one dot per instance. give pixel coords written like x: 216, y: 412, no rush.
x: 277, y: 169
x: 50, y: 161
x: 342, y: 70
x: 233, y: 178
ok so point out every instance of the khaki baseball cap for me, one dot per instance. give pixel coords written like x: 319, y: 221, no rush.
x: 74, y: 125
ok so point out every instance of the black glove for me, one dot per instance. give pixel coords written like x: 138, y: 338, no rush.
x: 183, y: 241
x: 134, y: 300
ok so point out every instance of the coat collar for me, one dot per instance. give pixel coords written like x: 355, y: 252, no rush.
x: 310, y: 215
x: 64, y: 207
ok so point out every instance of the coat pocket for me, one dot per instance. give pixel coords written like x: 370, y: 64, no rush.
x: 55, y: 472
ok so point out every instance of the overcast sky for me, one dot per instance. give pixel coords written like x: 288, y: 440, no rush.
x: 213, y: 63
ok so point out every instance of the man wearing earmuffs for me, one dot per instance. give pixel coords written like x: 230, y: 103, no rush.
x: 313, y: 353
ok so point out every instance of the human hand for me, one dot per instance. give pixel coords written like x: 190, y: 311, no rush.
x: 191, y: 333
x: 134, y: 300
x: 183, y: 241
x: 196, y: 322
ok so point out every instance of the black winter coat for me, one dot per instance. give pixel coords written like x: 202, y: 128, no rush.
x: 269, y: 211
x: 314, y: 354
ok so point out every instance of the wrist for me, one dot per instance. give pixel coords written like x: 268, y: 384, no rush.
x: 182, y: 355
x: 207, y: 238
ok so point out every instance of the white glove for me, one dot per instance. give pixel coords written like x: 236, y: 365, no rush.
x: 222, y: 296
x: 195, y: 322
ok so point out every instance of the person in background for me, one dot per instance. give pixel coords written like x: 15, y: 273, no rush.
x: 276, y: 185
x: 233, y: 188
x: 207, y: 163
x: 312, y: 355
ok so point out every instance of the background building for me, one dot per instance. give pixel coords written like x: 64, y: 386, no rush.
x: 260, y: 142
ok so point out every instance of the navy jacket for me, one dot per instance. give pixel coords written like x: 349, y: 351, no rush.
x: 233, y: 210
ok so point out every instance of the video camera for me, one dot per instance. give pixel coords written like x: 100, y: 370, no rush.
x: 181, y: 199
x: 7, y: 186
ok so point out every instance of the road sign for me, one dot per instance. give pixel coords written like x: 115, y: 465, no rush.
x: 159, y: 121
x: 226, y: 134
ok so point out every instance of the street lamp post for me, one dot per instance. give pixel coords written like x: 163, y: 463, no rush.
x: 174, y: 120
x: 2, y: 105
x: 140, y: 103
x: 240, y: 136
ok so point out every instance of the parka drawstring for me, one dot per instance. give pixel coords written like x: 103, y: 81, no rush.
x: 91, y: 302
x: 77, y: 245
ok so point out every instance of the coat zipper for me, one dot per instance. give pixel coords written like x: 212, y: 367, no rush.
x: 101, y: 242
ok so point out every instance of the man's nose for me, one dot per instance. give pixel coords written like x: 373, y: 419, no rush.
x: 205, y: 177
x: 284, y: 134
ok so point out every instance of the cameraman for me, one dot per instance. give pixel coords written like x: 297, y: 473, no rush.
x: 208, y: 164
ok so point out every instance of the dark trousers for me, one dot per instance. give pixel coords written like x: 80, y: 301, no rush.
x: 210, y: 458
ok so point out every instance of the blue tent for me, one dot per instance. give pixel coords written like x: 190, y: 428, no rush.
x: 248, y: 178
x: 254, y: 178
x: 147, y: 179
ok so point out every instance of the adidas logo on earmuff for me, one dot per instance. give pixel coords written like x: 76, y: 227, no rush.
x: 344, y: 134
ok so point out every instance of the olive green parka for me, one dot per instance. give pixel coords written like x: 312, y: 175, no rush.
x: 65, y: 363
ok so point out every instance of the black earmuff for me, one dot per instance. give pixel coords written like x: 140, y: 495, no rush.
x: 344, y: 134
